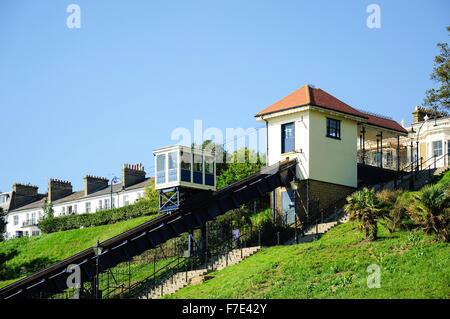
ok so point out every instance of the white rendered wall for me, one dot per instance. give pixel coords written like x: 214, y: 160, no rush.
x: 11, y: 229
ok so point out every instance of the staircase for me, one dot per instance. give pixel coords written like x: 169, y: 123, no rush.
x: 315, y: 231
x: 182, y: 279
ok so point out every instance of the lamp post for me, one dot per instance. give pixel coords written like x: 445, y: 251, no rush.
x: 97, y: 251
x: 113, y: 180
x: 412, y: 148
x: 417, y: 140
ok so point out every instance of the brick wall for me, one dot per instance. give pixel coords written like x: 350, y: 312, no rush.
x: 322, y: 196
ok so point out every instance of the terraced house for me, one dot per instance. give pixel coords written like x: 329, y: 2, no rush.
x: 324, y: 135
x: 24, y: 205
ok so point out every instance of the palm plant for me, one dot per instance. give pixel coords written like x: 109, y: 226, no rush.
x: 395, y: 217
x: 431, y: 210
x: 365, y: 207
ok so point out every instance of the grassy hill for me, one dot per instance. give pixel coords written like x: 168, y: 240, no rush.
x: 23, y: 256
x: 413, y: 265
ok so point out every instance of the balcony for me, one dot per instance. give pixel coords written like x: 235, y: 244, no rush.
x: 29, y: 223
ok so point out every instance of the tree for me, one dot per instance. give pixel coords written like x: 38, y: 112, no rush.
x: 2, y: 225
x: 431, y: 210
x: 365, y: 207
x: 48, y: 208
x: 150, y: 192
x: 236, y: 170
x: 440, y: 98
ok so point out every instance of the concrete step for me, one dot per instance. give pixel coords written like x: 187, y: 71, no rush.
x: 178, y: 281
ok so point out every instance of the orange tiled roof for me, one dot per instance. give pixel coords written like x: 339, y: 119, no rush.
x: 307, y: 95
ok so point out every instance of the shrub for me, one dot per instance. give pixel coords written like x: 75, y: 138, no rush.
x: 103, y: 217
x: 431, y: 210
x: 365, y: 207
x: 396, y: 206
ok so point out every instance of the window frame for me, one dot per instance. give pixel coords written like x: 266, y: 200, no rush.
x: 337, y: 128
x: 283, y: 138
x: 441, y: 148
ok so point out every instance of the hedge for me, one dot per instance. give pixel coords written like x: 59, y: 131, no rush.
x: 103, y: 217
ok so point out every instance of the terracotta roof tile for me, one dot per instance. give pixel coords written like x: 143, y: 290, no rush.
x: 307, y: 95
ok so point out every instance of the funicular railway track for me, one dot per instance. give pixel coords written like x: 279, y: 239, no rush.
x: 194, y: 213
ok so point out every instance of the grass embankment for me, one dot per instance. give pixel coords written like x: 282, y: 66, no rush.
x: 412, y: 264
x: 24, y: 256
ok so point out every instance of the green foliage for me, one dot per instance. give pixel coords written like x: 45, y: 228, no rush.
x: 431, y: 210
x: 150, y: 193
x: 365, y: 207
x: 440, y: 98
x: 23, y: 256
x: 48, y: 209
x: 396, y: 217
x: 335, y: 266
x: 244, y: 163
x: 103, y: 217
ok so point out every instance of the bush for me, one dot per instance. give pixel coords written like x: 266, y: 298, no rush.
x: 395, y: 217
x: 431, y: 210
x: 365, y: 207
x: 103, y: 217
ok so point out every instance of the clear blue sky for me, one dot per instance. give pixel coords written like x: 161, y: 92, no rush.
x: 85, y: 101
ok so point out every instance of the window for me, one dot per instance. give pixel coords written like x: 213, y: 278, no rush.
x: 389, y: 159
x: 185, y: 166
x: 209, y: 170
x: 198, y: 169
x: 173, y: 167
x: 33, y: 218
x: 3, y: 199
x: 437, y: 148
x: 333, y: 128
x: 74, y: 209
x: 63, y: 210
x: 16, y: 220
x: 125, y: 200
x: 287, y: 138
x: 107, y: 204
x: 88, y: 207
x: 100, y: 204
x: 161, y: 169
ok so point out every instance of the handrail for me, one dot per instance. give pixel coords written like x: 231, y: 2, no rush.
x: 437, y: 159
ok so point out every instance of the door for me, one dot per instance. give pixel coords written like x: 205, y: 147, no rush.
x: 288, y: 206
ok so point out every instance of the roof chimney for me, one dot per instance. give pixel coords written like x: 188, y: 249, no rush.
x: 132, y: 174
x: 58, y: 189
x: 419, y: 114
x: 24, y: 193
x: 94, y: 183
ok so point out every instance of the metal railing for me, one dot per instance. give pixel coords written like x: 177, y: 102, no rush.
x: 30, y: 222
x: 410, y: 172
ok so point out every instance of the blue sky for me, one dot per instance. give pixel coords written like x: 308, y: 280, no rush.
x: 85, y: 101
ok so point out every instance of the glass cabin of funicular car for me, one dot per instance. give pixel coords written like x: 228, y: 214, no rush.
x: 186, y: 167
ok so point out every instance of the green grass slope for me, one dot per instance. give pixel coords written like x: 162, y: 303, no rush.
x: 24, y: 256
x: 413, y: 265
